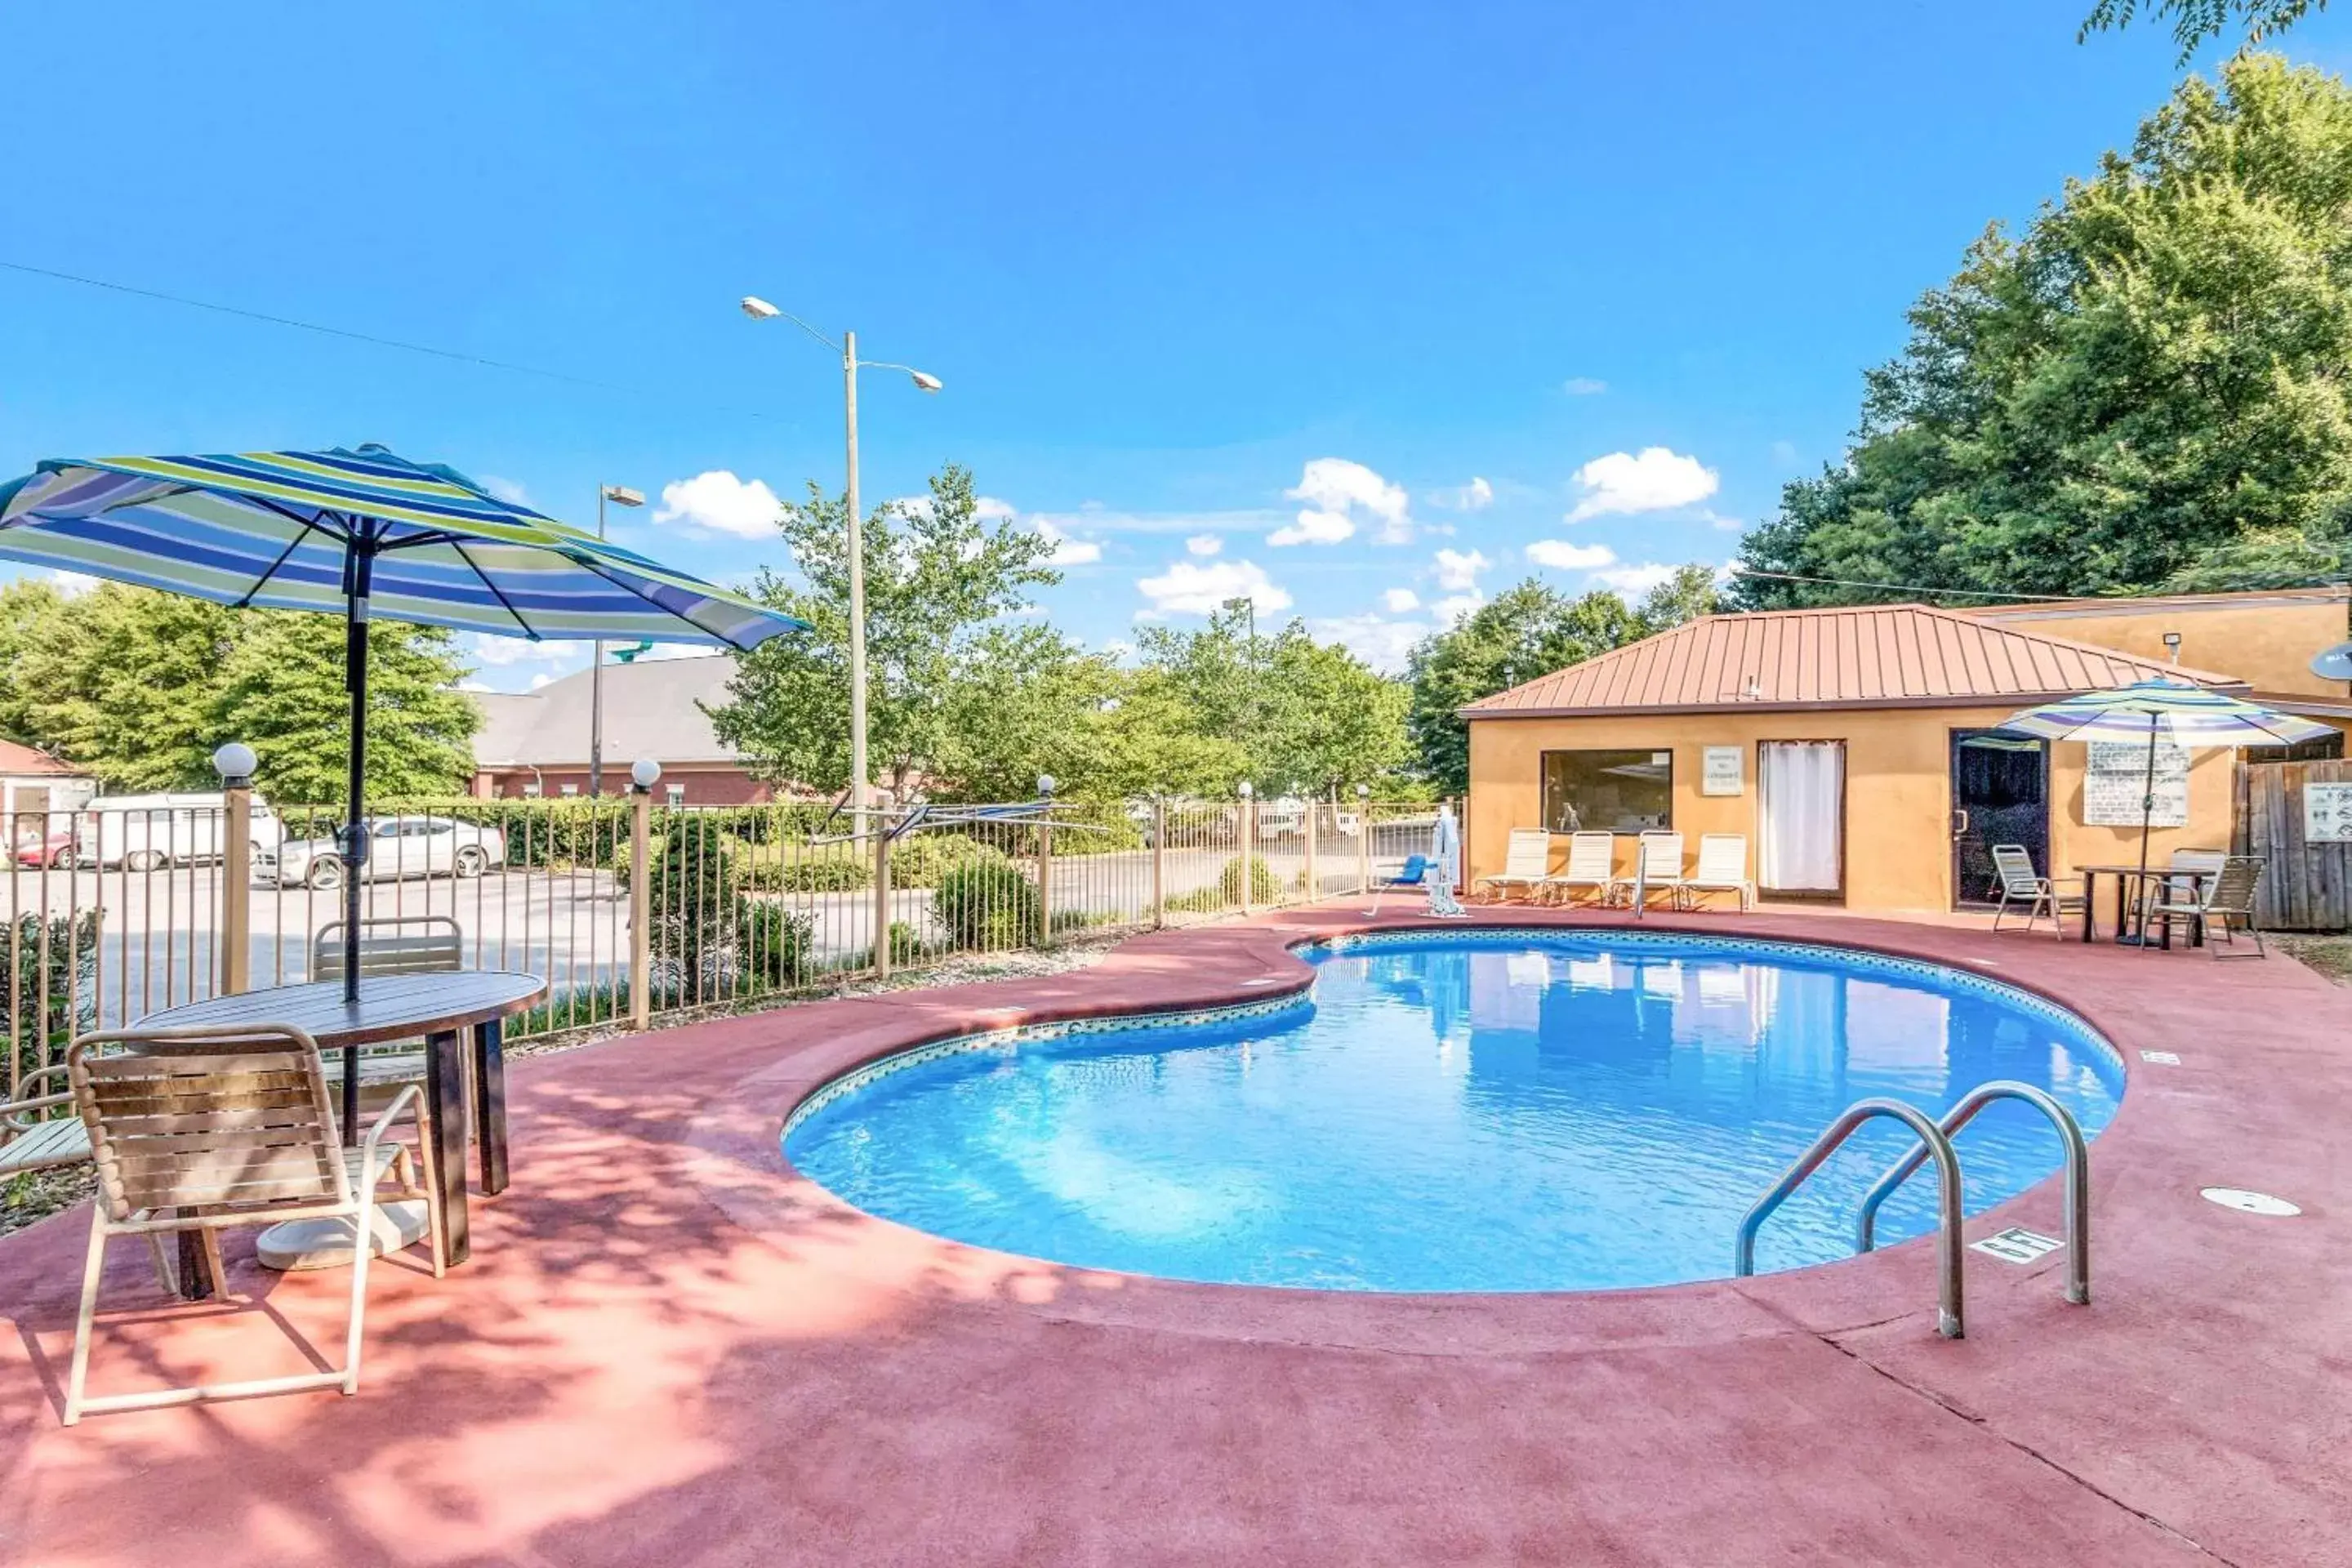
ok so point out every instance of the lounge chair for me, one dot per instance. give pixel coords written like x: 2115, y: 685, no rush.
x: 202, y: 1129
x: 1527, y: 864
x: 2208, y: 902
x: 2019, y: 884
x: 1722, y: 868
x: 1591, y: 865
x: 1660, y: 865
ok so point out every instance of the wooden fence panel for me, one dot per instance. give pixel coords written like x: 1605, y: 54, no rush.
x: 2305, y: 887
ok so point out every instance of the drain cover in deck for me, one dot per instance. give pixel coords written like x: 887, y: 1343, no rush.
x: 2246, y: 1202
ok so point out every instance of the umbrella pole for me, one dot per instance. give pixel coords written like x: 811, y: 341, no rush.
x: 358, y: 561
x: 2147, y: 823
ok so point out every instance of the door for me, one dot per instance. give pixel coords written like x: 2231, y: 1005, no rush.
x: 1801, y: 817
x: 2000, y: 794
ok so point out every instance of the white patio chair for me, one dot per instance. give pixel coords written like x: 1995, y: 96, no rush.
x: 1527, y: 863
x: 202, y: 1129
x: 1722, y: 868
x: 2019, y: 884
x: 2210, y: 902
x: 1661, y: 866
x: 1591, y: 866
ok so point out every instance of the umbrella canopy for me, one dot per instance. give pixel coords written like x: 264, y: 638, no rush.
x: 2168, y: 710
x: 2149, y: 711
x: 358, y: 532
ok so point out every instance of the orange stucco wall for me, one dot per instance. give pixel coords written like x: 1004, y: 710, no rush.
x: 1898, y: 812
x: 2265, y: 640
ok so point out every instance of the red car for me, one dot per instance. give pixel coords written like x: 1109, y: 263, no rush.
x: 57, y: 850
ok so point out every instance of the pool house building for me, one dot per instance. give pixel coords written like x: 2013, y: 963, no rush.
x: 1858, y: 748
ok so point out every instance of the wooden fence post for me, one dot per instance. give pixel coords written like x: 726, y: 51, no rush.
x: 237, y: 886
x: 881, y: 902
x: 1159, y: 862
x: 641, y: 904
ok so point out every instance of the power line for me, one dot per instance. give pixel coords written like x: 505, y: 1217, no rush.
x: 1738, y: 571
x: 457, y: 355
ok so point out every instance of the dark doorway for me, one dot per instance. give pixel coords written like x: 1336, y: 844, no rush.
x: 2000, y: 794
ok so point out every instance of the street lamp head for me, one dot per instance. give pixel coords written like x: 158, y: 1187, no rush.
x: 235, y: 762
x: 1363, y: 792
x: 1045, y: 786
x: 1244, y: 789
x: 622, y: 495
x: 759, y: 310
x: 644, y: 772
x: 928, y: 383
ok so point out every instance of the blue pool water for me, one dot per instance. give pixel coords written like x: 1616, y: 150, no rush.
x: 1466, y: 1112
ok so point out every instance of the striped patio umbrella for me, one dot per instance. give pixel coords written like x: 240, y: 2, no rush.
x: 357, y: 534
x: 2175, y: 710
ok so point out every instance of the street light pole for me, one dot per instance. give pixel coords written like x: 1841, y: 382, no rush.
x: 759, y: 310
x: 620, y: 495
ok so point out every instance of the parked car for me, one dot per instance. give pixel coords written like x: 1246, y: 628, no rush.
x: 148, y: 832
x: 397, y: 846
x: 55, y: 850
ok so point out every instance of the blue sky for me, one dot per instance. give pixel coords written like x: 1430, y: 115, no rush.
x: 1365, y: 310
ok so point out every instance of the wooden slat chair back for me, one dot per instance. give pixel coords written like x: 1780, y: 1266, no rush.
x: 196, y: 1130
x: 394, y: 945
x: 1592, y: 866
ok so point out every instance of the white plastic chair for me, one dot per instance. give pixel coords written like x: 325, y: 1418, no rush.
x: 2021, y: 884
x: 1661, y: 866
x: 1722, y: 868
x: 1527, y: 863
x: 1592, y: 866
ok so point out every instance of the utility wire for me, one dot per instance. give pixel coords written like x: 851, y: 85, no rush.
x: 1738, y: 571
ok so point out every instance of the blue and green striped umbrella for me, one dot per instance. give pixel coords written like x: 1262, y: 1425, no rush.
x: 359, y: 533
x: 2174, y: 711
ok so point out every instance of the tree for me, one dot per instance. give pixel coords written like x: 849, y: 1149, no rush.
x: 2144, y: 389
x: 140, y: 687
x: 1523, y: 632
x: 937, y: 575
x: 2194, y: 21
x: 1689, y: 594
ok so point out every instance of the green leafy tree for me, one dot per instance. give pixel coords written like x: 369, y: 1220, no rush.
x: 117, y: 679
x: 936, y: 576
x: 2145, y: 389
x: 1025, y: 701
x: 1523, y: 632
x: 2195, y: 21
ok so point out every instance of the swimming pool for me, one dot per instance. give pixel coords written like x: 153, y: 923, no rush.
x: 1497, y: 1111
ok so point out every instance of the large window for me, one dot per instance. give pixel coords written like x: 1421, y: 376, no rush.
x: 1608, y: 792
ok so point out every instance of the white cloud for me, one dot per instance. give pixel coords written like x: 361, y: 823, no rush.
x: 1186, y: 589
x: 1204, y: 544
x: 1655, y: 481
x: 1560, y: 554
x: 72, y: 584
x: 496, y: 650
x: 1400, y: 600
x: 1631, y: 581
x: 470, y: 684
x: 543, y: 678
x: 1475, y: 496
x: 718, y: 502
x: 1069, y: 550
x: 508, y: 490
x: 1377, y: 640
x: 1457, y: 570
x: 1451, y: 609
x: 1338, y: 495
x: 988, y: 508
x: 1583, y: 386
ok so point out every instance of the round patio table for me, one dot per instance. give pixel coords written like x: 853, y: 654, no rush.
x: 439, y: 1005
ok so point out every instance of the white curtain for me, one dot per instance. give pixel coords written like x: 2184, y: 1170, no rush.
x: 1803, y: 800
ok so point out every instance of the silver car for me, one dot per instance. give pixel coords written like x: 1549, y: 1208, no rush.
x: 397, y: 846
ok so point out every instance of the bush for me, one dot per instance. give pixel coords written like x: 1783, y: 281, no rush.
x: 920, y: 860
x: 1265, y: 887
x: 987, y: 904
x: 906, y: 945
x: 807, y: 868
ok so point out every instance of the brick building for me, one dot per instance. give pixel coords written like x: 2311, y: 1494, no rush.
x: 536, y: 743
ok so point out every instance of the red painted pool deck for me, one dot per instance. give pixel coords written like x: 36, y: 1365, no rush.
x: 671, y: 1349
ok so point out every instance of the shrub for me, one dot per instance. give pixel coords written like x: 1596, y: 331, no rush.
x: 920, y: 860
x: 1265, y: 887
x: 906, y: 945
x: 807, y: 868
x: 987, y: 904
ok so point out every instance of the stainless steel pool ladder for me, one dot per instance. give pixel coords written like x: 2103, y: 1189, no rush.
x: 1935, y: 1143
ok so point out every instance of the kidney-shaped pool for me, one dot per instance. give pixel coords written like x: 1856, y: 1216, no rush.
x: 1523, y: 1110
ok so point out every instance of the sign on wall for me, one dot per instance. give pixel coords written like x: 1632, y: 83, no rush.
x: 2326, y: 813
x: 1720, y: 771
x: 2116, y: 781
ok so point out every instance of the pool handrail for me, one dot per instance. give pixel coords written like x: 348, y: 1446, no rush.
x: 2078, y: 1176
x: 1932, y: 1141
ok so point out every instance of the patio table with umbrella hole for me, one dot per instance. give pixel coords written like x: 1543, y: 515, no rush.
x: 359, y: 533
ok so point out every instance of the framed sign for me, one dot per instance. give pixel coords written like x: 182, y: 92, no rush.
x: 2116, y: 783
x: 2327, y: 814
x: 1720, y: 771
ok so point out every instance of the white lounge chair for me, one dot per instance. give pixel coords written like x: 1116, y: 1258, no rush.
x: 1722, y: 868
x: 2021, y: 884
x: 1527, y: 863
x: 1592, y: 866
x: 1661, y: 866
